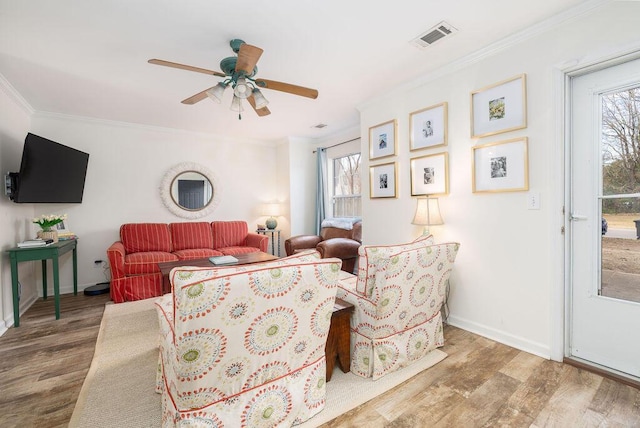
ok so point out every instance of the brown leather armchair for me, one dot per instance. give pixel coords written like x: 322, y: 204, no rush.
x: 332, y: 242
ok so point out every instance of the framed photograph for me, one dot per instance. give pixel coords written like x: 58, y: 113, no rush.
x: 501, y: 167
x: 63, y: 227
x: 382, y: 140
x: 429, y: 127
x: 430, y: 175
x: 383, y: 181
x: 501, y: 107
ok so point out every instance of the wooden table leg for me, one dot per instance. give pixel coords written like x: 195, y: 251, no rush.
x: 56, y: 286
x: 343, y: 346
x: 16, y: 290
x: 44, y: 279
x: 75, y: 269
x: 339, y: 338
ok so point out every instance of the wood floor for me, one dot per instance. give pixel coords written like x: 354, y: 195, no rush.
x: 480, y: 384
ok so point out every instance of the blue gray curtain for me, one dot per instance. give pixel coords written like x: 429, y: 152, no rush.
x: 321, y: 187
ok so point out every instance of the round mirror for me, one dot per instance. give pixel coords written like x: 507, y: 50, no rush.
x: 189, y: 190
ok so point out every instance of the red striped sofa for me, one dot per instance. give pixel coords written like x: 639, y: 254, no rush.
x: 134, y: 258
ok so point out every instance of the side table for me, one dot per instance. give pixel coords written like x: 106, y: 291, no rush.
x: 275, y: 233
x: 339, y: 340
x: 51, y: 251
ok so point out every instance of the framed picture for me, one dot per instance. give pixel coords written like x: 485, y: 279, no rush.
x: 382, y: 140
x: 501, y: 107
x: 429, y: 127
x: 383, y: 181
x: 430, y: 175
x: 62, y: 227
x: 501, y: 167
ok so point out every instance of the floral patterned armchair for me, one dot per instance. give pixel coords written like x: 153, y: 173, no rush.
x: 245, y: 345
x: 397, y: 296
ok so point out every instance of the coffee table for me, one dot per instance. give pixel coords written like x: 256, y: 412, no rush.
x: 243, y: 259
x: 339, y: 340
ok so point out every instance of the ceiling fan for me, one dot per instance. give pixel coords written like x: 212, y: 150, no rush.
x: 239, y: 73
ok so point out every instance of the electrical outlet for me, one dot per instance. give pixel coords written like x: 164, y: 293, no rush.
x: 533, y: 201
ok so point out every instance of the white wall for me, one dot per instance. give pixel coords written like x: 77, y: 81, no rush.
x: 509, y: 267
x: 14, y: 125
x: 126, y: 166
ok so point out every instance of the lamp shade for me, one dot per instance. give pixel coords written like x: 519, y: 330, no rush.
x: 236, y: 104
x: 427, y: 213
x: 242, y: 90
x: 272, y: 210
x: 260, y: 100
x: 216, y: 92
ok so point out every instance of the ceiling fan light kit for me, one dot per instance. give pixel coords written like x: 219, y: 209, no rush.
x: 216, y: 92
x: 242, y: 89
x: 238, y: 71
x: 236, y: 105
x: 259, y: 99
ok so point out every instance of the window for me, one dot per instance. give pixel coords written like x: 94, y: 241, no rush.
x: 346, y: 186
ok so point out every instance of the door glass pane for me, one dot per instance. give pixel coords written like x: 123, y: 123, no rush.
x: 620, y: 202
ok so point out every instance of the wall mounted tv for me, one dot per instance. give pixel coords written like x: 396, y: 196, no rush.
x: 49, y: 173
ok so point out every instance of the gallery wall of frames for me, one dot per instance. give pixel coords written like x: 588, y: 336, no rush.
x: 498, y: 166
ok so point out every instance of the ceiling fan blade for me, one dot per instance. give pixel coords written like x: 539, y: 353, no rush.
x: 261, y: 112
x: 287, y: 87
x: 248, y: 57
x: 197, y: 97
x: 186, y: 67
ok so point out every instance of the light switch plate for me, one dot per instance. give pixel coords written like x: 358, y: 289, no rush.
x: 533, y: 200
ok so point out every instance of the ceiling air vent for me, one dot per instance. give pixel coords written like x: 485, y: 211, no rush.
x: 436, y: 33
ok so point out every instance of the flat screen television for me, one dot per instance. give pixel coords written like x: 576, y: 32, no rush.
x: 49, y: 173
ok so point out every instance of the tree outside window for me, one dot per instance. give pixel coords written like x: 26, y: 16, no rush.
x: 346, y: 186
x: 621, y: 150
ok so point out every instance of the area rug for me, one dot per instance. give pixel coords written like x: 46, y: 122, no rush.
x: 119, y: 388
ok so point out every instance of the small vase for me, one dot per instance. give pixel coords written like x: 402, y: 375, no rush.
x: 48, y: 234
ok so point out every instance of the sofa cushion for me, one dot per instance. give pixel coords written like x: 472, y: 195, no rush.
x: 229, y: 234
x: 230, y: 251
x: 190, y: 235
x: 196, y: 253
x: 371, y: 254
x: 142, y: 237
x: 146, y: 262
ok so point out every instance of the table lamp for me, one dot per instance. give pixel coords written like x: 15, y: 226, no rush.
x: 272, y: 210
x: 427, y: 213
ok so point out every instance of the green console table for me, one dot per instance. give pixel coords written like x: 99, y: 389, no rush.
x: 51, y: 251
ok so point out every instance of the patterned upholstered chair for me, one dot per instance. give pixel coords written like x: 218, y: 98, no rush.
x: 245, y: 346
x: 397, y: 296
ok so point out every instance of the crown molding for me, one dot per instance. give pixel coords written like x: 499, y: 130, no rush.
x: 492, y: 49
x: 8, y: 89
x: 150, y: 128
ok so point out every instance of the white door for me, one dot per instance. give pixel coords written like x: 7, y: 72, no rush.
x: 604, y: 310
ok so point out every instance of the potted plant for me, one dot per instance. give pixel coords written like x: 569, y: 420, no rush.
x: 47, y: 223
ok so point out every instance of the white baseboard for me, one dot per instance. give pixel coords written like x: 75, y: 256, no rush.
x: 508, y: 339
x: 8, y: 321
x: 66, y: 289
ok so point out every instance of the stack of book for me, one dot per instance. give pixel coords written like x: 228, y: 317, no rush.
x: 63, y: 236
x: 29, y: 243
x: 223, y: 260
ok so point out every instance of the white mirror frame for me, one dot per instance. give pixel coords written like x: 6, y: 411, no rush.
x: 167, y: 199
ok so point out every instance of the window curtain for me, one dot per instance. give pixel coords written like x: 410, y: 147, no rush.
x: 321, y: 187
